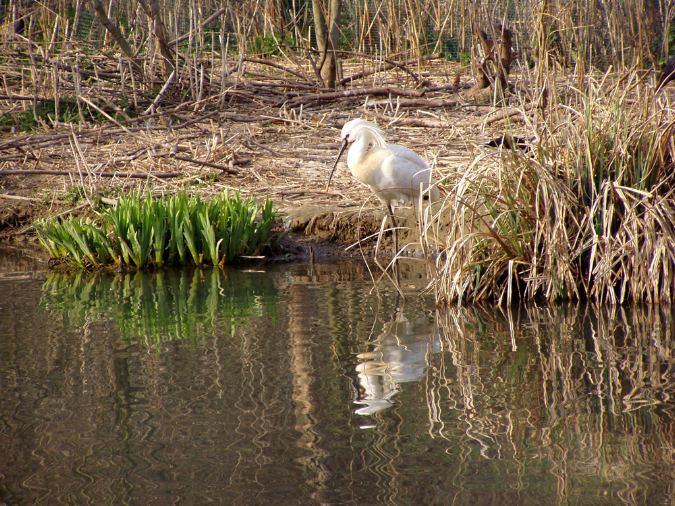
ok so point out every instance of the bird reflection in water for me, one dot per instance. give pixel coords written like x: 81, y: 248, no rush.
x: 399, y: 355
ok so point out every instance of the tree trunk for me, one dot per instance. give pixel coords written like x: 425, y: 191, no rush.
x: 494, y: 65
x: 153, y: 11
x: 326, y: 25
x: 112, y: 28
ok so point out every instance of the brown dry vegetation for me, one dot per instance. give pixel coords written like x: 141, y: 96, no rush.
x: 241, y: 108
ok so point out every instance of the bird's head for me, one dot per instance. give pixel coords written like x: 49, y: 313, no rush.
x: 353, y: 131
x: 357, y: 129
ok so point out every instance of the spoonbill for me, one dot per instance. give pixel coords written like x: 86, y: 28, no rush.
x: 394, y: 173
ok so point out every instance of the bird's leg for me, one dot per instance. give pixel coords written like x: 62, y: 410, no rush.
x: 395, y: 266
x: 397, y: 275
x: 393, y: 223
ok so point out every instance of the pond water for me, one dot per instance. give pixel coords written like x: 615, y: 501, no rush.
x: 302, y: 384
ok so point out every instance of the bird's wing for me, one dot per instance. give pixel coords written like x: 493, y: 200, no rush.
x: 405, y: 168
x: 403, y: 171
x: 393, y: 173
x: 408, y: 154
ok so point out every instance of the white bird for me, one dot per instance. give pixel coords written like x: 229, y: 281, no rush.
x: 394, y: 173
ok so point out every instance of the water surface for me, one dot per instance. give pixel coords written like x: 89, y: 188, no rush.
x: 300, y: 384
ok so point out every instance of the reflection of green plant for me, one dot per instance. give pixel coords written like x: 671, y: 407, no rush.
x: 162, y: 231
x: 179, y: 304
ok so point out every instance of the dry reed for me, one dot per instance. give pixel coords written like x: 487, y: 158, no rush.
x: 587, y: 214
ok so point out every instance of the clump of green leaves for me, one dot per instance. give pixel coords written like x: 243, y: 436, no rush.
x: 170, y: 230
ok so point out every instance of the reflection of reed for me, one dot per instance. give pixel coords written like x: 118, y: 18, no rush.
x: 592, y: 385
x: 300, y: 321
x: 261, y: 410
x: 254, y: 413
x: 21, y: 262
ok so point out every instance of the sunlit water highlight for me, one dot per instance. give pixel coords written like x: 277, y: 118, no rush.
x: 300, y: 384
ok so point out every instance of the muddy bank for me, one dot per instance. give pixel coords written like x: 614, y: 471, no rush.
x: 303, y: 232
x: 252, y: 147
x: 355, y: 230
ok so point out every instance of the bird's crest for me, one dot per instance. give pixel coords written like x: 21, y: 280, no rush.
x: 372, y: 128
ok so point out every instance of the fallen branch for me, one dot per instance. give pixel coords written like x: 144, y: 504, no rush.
x: 18, y: 197
x: 507, y: 113
x: 42, y: 141
x: 304, y: 192
x: 16, y: 106
x: 199, y: 119
x: 276, y: 66
x: 383, y: 90
x: 131, y: 175
x: 389, y: 64
x: 413, y: 122
x: 421, y: 102
x: 207, y: 164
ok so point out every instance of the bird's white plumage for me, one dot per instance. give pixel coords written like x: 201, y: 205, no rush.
x: 394, y: 173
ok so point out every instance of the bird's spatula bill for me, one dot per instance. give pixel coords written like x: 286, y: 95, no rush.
x: 342, y: 150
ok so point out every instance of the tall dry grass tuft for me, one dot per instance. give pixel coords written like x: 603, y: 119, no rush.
x: 590, y: 214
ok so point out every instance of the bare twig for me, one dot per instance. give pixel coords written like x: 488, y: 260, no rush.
x: 276, y: 66
x: 206, y: 164
x: 18, y: 197
x: 161, y: 93
x: 413, y: 122
x: 60, y: 215
x: 202, y: 25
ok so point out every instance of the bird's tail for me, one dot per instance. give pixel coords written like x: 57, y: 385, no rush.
x: 434, y: 194
x: 428, y: 188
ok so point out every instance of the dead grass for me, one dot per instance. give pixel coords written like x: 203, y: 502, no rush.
x: 275, y: 146
x: 587, y: 214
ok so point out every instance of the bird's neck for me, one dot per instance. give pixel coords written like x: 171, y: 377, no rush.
x: 357, y: 151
